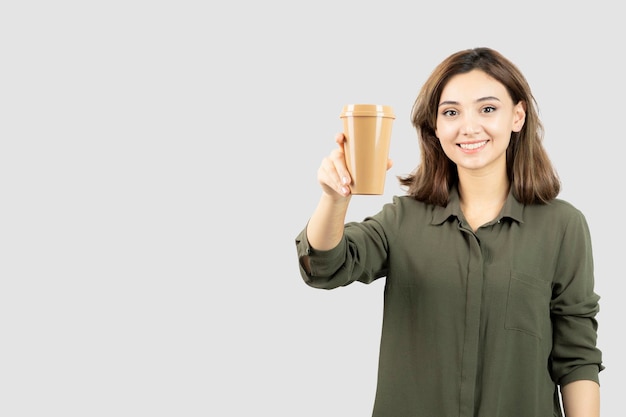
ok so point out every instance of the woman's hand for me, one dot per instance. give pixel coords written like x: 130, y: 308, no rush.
x: 333, y: 174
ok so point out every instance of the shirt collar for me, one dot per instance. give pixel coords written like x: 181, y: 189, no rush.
x: 512, y: 209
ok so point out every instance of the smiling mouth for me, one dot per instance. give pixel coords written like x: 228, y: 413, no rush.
x: 472, y: 146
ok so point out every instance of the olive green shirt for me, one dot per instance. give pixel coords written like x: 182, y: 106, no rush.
x: 482, y: 324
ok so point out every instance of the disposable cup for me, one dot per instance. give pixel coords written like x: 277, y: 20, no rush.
x: 367, y: 128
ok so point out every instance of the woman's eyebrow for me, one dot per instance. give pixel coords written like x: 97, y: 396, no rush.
x: 456, y: 103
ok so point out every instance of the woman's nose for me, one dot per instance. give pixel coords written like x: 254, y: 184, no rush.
x: 470, y: 127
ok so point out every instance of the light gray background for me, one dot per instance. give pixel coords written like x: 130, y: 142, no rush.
x: 158, y: 159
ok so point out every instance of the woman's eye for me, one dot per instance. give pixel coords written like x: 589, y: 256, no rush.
x: 449, y: 113
x: 489, y: 109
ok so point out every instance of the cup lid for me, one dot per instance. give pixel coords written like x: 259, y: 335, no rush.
x: 367, y: 110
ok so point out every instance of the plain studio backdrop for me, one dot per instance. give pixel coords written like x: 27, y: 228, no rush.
x: 157, y: 160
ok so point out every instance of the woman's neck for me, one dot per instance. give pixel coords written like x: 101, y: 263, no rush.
x: 482, y: 197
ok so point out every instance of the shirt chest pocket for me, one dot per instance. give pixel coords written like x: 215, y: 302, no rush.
x: 528, y: 305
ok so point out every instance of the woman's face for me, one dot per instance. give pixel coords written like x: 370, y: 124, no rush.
x: 475, y: 119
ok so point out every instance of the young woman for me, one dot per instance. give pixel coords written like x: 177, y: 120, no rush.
x: 489, y: 295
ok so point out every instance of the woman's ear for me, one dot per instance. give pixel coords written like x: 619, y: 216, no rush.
x: 520, y: 116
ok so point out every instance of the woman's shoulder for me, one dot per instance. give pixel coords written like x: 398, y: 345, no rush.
x: 561, y: 206
x: 407, y: 202
x: 401, y: 208
x: 556, y: 211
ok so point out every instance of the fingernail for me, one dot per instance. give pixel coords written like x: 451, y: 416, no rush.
x: 344, y: 180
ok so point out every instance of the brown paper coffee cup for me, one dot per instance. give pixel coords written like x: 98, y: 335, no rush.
x: 367, y: 128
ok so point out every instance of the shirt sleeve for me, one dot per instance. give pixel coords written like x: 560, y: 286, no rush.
x: 361, y: 255
x: 574, y: 306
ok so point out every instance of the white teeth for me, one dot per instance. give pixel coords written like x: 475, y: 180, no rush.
x: 471, y: 146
